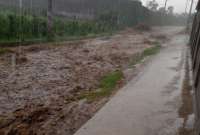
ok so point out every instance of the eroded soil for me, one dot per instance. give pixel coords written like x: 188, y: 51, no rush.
x: 39, y: 85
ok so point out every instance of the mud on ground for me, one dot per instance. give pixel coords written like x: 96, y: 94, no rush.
x: 36, y: 92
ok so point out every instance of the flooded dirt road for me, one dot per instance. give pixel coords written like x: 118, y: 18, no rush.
x: 157, y: 102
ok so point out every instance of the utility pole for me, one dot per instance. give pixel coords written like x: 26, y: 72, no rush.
x: 50, y: 18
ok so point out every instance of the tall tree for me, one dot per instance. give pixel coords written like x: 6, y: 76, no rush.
x: 170, y: 10
x: 161, y: 10
x: 152, y: 5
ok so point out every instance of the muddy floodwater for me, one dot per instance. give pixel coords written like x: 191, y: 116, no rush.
x: 40, y: 92
x: 157, y: 102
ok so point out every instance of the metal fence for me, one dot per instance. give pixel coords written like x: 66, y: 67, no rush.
x: 33, y: 21
x: 195, y: 53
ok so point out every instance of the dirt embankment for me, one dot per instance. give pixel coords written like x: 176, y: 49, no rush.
x: 38, y: 93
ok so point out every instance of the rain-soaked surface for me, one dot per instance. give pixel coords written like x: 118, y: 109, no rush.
x: 39, y: 94
x: 186, y: 111
x: 157, y: 102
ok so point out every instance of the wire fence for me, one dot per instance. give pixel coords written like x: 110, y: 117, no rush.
x: 195, y: 53
x: 41, y: 20
x: 29, y: 21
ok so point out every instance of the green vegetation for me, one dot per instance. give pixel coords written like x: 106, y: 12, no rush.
x: 147, y: 52
x: 4, y: 50
x: 107, y: 85
x: 109, y: 82
x: 23, y: 28
x: 107, y: 17
x: 151, y: 51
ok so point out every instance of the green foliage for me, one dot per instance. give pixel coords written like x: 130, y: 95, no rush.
x: 151, y: 51
x: 21, y: 27
x: 137, y: 58
x: 75, y: 28
x: 33, y: 27
x: 15, y: 27
x: 109, y: 81
x: 107, y: 20
x: 4, y: 50
x: 107, y: 85
x: 4, y: 26
x: 38, y: 27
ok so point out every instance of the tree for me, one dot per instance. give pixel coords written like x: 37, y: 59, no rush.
x: 170, y: 10
x: 161, y: 10
x: 152, y: 5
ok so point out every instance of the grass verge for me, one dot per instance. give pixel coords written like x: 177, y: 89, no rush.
x: 107, y: 84
x: 151, y: 51
x: 4, y: 50
x: 147, y: 52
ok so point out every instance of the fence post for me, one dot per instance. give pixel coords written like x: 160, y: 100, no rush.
x: 50, y: 19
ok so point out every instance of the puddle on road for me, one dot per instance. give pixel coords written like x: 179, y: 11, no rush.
x: 185, y: 111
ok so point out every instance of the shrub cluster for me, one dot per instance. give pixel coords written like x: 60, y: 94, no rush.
x: 15, y: 27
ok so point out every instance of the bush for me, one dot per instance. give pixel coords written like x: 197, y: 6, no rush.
x: 15, y: 27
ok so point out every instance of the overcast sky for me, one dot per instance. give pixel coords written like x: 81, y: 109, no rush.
x: 179, y: 5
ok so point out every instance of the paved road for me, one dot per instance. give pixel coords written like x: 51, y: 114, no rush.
x: 149, y: 104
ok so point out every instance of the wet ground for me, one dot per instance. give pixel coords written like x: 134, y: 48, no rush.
x: 39, y: 85
x: 157, y: 102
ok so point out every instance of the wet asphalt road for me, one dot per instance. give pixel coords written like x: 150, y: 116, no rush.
x: 150, y: 104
